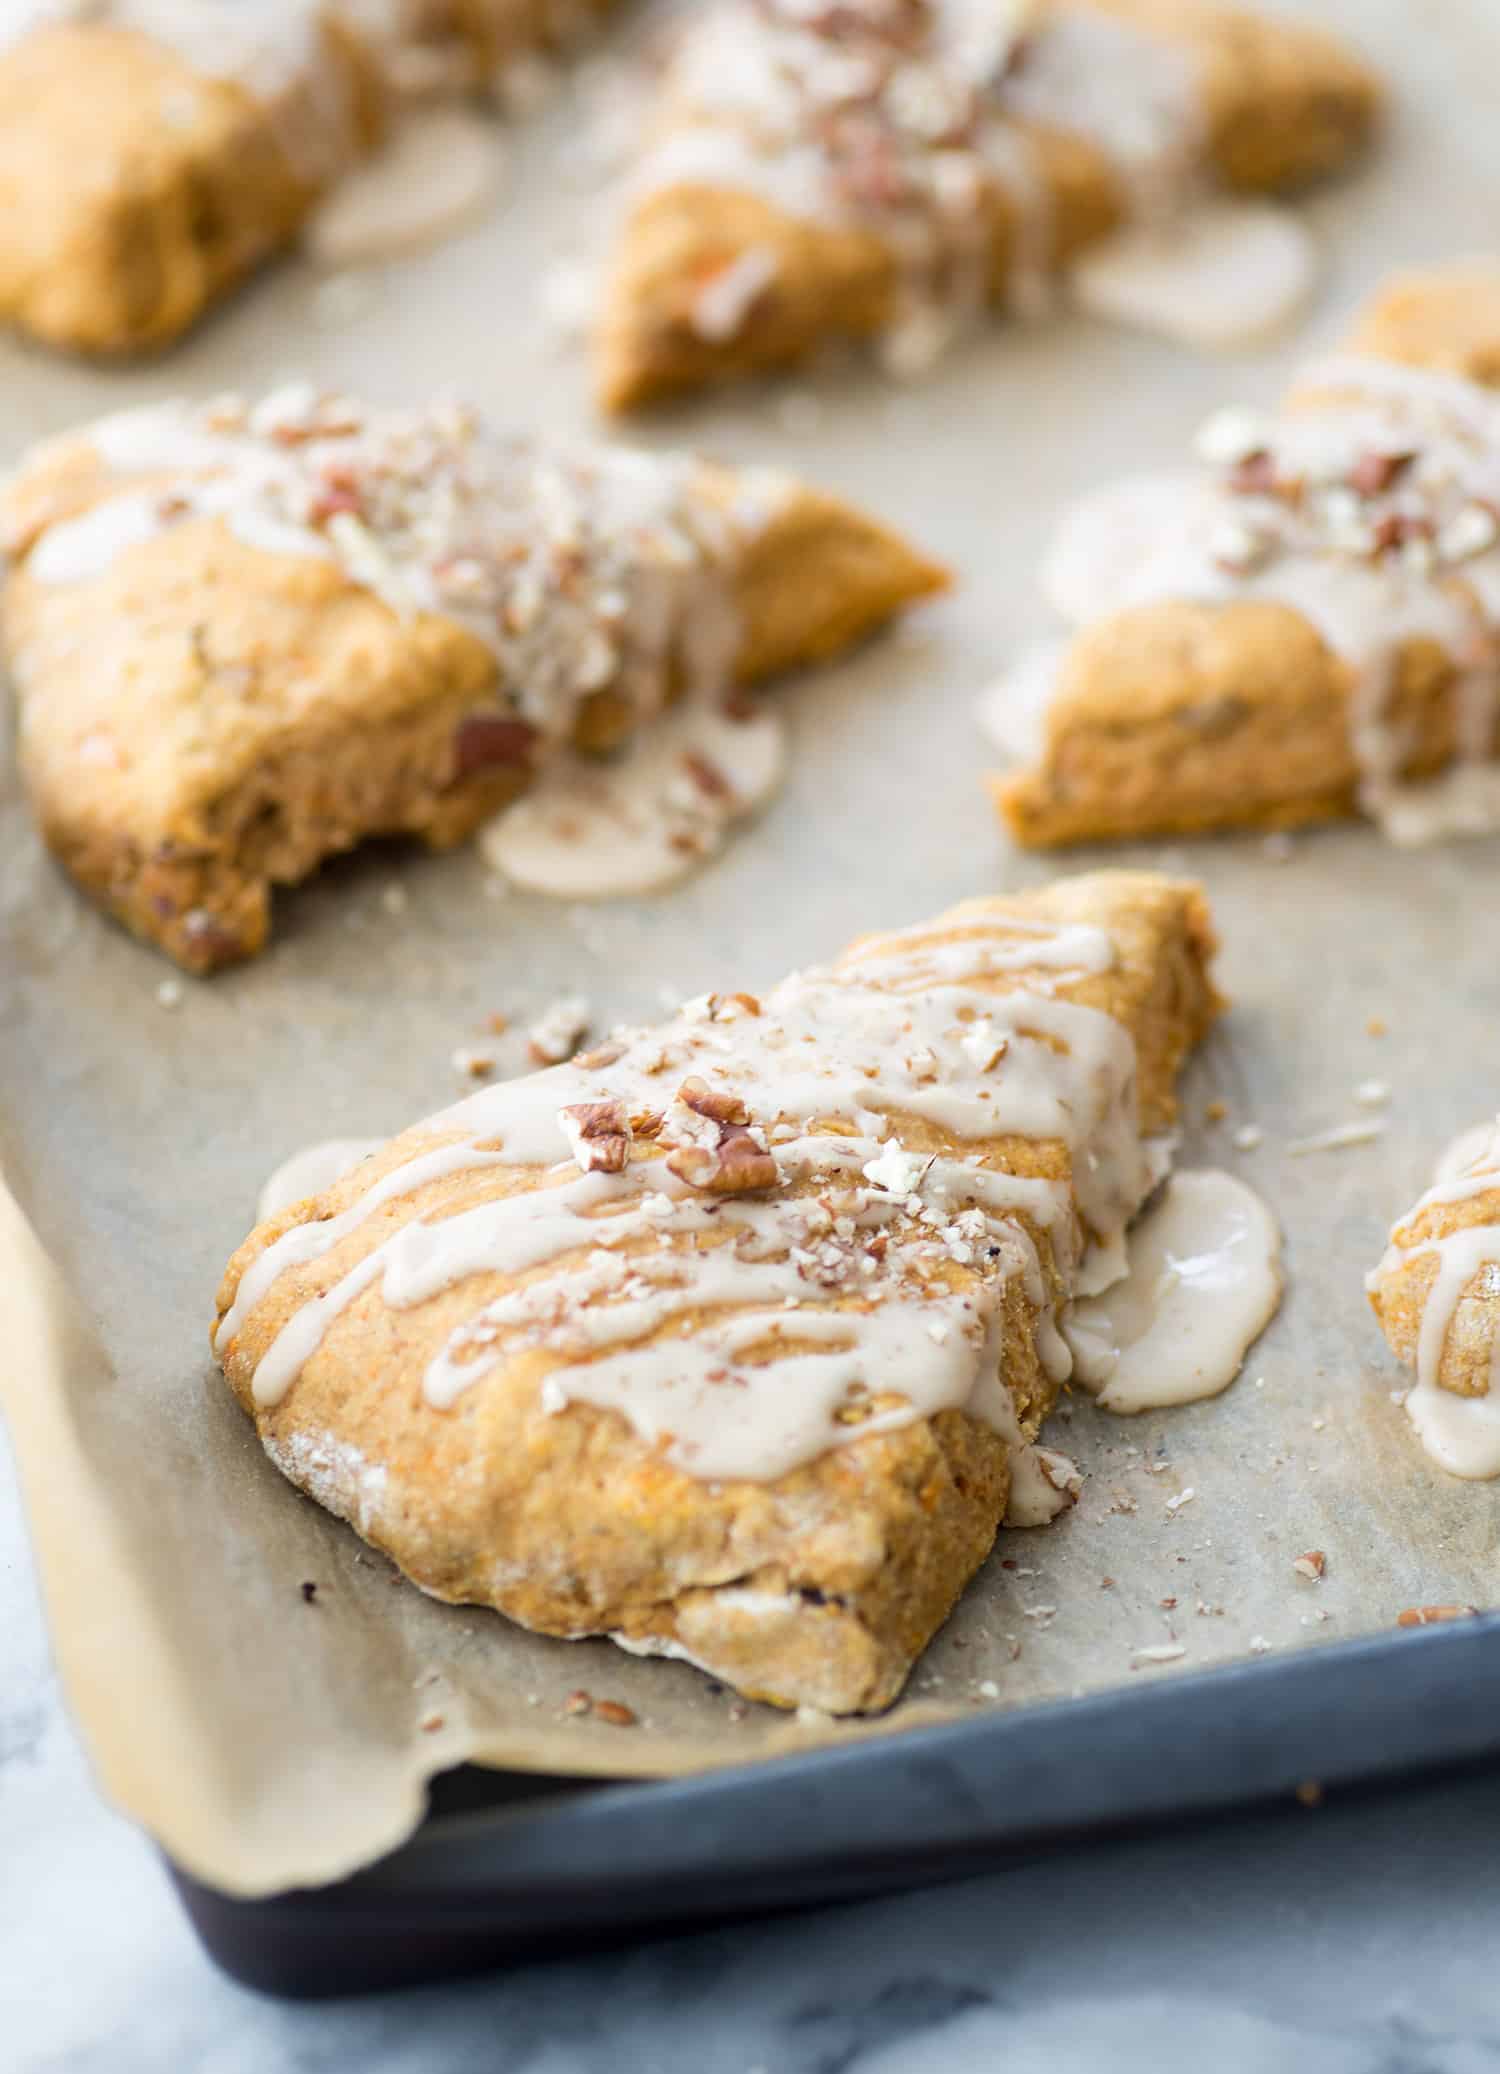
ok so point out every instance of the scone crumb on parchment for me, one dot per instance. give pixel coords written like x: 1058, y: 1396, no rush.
x: 1431, y: 1616
x: 557, y: 1033
x: 1339, y: 1138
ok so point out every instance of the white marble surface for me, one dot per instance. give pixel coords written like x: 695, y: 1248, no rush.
x: 1354, y: 1939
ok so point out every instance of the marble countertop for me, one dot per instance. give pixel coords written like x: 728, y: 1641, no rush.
x: 1355, y: 1938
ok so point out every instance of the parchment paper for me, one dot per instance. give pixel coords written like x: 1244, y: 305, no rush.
x: 267, y: 1741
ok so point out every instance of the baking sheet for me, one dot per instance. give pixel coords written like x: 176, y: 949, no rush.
x: 267, y: 1741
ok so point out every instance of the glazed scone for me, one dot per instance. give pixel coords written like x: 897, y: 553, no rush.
x: 888, y: 169
x: 243, y: 640
x: 154, y: 152
x: 732, y: 1339
x: 429, y: 47
x: 1308, y: 626
x: 1436, y: 1294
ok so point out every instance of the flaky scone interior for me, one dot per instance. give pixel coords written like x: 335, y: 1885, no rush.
x: 245, y: 639
x: 1306, y: 626
x: 1436, y: 1294
x: 732, y: 1339
x: 887, y: 170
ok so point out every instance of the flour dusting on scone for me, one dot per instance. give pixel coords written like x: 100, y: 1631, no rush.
x: 1436, y: 1294
x: 1306, y: 626
x: 888, y: 170
x: 245, y: 638
x: 732, y: 1338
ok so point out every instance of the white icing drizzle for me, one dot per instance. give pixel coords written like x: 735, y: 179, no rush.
x: 908, y: 117
x: 1462, y: 1434
x: 835, y: 1306
x: 639, y: 822
x: 309, y: 1171
x: 1370, y: 508
x: 277, y: 50
x: 1203, y: 1282
x: 579, y: 570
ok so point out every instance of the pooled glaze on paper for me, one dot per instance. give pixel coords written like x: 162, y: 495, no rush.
x: 834, y: 1308
x: 1390, y: 538
x: 600, y: 828
x: 439, y: 171
x: 1462, y: 1434
x: 1223, y: 274
x: 1203, y: 1282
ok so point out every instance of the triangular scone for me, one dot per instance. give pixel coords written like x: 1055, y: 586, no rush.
x: 153, y: 154
x: 730, y: 1339
x: 1436, y: 1294
x: 1307, y: 627
x: 243, y: 640
x: 887, y: 168
x: 151, y: 157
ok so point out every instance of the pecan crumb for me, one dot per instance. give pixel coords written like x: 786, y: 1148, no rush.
x: 704, y: 1100
x: 1313, y: 1564
x: 431, y: 1723
x: 1428, y: 1616
x: 579, y: 1702
x: 615, y: 1713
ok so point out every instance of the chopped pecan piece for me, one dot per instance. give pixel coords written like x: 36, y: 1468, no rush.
x: 706, y: 1101
x: 599, y: 1133
x: 734, y: 1167
x: 486, y: 740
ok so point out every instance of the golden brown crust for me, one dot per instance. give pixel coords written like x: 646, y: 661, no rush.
x: 1180, y: 718
x: 1401, y: 1287
x: 133, y: 191
x: 260, y: 712
x: 1283, y: 105
x: 1446, y: 318
x: 572, y: 1525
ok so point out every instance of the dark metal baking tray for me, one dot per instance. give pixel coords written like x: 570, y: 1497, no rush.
x: 510, y: 1865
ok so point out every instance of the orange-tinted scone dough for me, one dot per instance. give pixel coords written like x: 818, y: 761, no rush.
x: 135, y: 190
x: 1181, y: 715
x: 821, y: 1585
x: 1402, y: 1286
x: 204, y: 716
x: 1273, y: 106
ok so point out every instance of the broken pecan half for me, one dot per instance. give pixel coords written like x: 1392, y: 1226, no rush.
x: 599, y: 1133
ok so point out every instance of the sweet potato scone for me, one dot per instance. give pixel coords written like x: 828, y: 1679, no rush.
x: 244, y: 639
x: 887, y: 169
x: 732, y: 1339
x: 1436, y: 1294
x: 152, y: 154
x: 1308, y: 627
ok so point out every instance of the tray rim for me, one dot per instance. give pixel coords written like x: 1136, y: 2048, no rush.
x: 472, y: 1890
